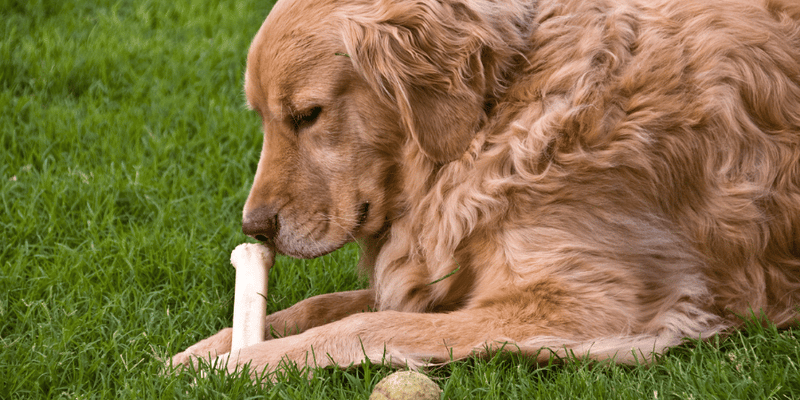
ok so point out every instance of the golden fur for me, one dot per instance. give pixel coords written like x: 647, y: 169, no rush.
x: 605, y: 177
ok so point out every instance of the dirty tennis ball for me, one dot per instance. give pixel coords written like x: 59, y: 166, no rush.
x: 406, y: 385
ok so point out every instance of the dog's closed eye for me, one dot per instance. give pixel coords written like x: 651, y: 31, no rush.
x: 306, y: 118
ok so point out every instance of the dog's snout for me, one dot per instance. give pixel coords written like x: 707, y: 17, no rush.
x: 261, y: 224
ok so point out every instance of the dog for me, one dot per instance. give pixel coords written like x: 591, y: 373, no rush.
x: 598, y: 178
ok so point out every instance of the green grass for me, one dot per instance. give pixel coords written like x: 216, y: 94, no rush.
x: 125, y: 157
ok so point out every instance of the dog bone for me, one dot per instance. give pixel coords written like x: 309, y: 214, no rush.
x: 252, y: 262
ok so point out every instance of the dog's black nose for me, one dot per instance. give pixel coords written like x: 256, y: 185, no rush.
x: 261, y: 224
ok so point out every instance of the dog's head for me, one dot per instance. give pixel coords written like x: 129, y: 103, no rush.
x: 344, y: 88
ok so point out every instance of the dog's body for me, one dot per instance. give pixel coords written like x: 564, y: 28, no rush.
x: 603, y: 177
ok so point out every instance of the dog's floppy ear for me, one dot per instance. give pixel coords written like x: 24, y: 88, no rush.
x: 437, y: 60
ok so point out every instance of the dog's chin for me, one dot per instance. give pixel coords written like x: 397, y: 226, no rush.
x: 307, y: 249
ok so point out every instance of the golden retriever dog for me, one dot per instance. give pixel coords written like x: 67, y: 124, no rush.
x: 600, y: 178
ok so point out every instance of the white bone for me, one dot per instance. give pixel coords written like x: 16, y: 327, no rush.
x: 252, y: 262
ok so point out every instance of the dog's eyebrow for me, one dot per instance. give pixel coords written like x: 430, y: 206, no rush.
x: 285, y: 108
x: 298, y: 103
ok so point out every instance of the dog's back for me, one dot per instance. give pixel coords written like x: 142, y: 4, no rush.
x: 689, y: 110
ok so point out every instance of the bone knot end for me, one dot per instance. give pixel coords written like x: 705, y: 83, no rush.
x: 252, y: 262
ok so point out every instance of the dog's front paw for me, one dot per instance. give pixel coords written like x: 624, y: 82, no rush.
x: 259, y: 361
x: 183, y: 359
x: 207, y: 349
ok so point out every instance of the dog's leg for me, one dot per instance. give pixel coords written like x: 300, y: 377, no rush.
x: 318, y: 310
x: 397, y: 338
x: 418, y: 339
x: 306, y: 314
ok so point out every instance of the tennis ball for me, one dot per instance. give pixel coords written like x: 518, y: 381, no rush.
x: 406, y: 385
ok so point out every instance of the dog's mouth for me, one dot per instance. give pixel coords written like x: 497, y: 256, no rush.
x: 301, y: 247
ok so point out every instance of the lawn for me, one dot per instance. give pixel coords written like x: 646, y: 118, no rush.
x: 126, y: 154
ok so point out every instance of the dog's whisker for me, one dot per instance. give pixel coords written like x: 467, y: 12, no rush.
x: 351, y: 221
